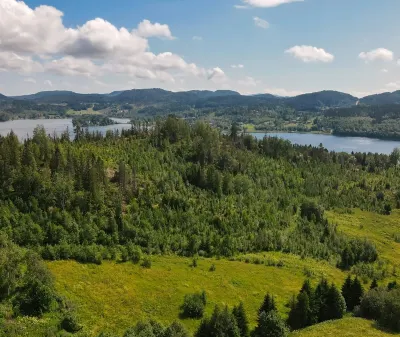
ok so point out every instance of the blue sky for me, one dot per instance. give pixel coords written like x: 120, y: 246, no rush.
x: 286, y: 49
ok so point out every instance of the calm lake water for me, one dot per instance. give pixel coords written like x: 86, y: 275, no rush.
x: 24, y: 128
x: 335, y: 143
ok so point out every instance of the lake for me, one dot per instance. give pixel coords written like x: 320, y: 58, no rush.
x: 336, y: 143
x: 23, y: 128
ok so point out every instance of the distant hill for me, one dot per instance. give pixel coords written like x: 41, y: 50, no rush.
x: 3, y: 98
x: 385, y: 98
x: 321, y: 100
x: 62, y: 97
x: 196, y: 98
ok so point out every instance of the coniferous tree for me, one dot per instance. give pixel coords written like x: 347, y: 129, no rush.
x: 270, y: 325
x: 267, y: 305
x: 357, y: 293
x: 347, y: 292
x: 335, y: 303
x: 241, y: 319
x: 300, y: 315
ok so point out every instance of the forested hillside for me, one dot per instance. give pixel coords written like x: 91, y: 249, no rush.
x: 184, y: 190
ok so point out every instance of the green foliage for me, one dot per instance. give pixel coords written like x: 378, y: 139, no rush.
x: 384, y: 306
x: 267, y: 305
x: 222, y: 323
x: 146, y: 263
x: 241, y: 320
x: 271, y: 325
x: 352, y: 292
x: 315, y: 306
x: 193, y: 305
x: 70, y: 323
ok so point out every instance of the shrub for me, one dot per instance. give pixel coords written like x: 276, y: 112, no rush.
x: 146, y: 263
x: 212, y: 268
x: 70, y: 323
x: 193, y: 305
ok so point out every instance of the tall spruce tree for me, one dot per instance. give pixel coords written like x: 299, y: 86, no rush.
x: 271, y: 325
x: 241, y: 319
x: 346, y: 292
x: 267, y: 305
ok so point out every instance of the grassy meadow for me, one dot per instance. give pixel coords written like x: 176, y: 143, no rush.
x: 346, y: 327
x: 382, y: 230
x: 115, y: 296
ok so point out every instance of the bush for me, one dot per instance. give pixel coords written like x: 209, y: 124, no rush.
x: 384, y: 306
x: 70, y: 323
x: 146, y: 263
x: 212, y: 268
x: 193, y: 305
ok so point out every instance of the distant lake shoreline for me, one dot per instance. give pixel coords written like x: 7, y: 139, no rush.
x: 23, y: 128
x: 335, y: 143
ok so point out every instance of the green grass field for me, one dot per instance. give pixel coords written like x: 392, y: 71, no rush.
x: 347, y: 327
x: 380, y: 229
x: 88, y: 111
x: 115, y: 296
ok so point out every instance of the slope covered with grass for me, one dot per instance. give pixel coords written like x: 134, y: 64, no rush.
x: 115, y: 296
x: 347, y: 327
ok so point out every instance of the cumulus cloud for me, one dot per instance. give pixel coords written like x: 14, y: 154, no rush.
x: 268, y: 3
x: 71, y: 66
x: 147, y: 29
x: 237, y: 66
x: 10, y: 61
x: 241, y: 7
x: 260, y: 22
x: 216, y: 74
x: 380, y: 54
x: 33, y: 40
x: 309, y: 54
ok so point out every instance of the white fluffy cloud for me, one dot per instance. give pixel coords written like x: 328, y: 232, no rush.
x: 147, y: 29
x: 268, y: 3
x: 381, y: 54
x: 10, y: 61
x: 71, y: 66
x: 310, y: 54
x: 260, y: 22
x: 216, y: 74
x: 237, y: 66
x: 36, y: 40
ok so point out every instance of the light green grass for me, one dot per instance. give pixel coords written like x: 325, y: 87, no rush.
x: 380, y: 229
x: 115, y: 296
x: 347, y: 327
x: 88, y: 111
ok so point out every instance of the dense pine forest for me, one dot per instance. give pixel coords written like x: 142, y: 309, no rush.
x: 188, y: 190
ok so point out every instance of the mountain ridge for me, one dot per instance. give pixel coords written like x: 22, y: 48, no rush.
x: 316, y: 101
